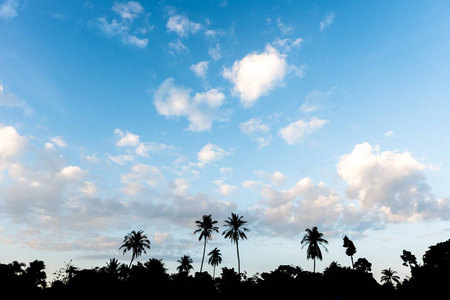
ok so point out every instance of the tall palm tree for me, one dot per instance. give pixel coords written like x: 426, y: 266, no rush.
x: 205, y: 227
x: 313, y: 238
x: 215, y: 258
x: 389, y: 276
x: 185, y: 264
x: 234, y: 232
x: 351, y: 249
x: 136, y: 242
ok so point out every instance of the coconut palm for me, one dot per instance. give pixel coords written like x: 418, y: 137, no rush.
x: 136, y: 242
x: 205, y: 227
x: 351, y: 249
x: 389, y: 276
x: 215, y: 258
x: 235, y: 232
x: 185, y: 264
x: 313, y: 238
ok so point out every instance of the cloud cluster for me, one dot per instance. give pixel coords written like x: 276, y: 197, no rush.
x: 8, y: 9
x: 201, y: 110
x: 295, y: 132
x: 123, y: 28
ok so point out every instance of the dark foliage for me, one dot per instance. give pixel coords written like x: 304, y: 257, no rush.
x: 115, y: 280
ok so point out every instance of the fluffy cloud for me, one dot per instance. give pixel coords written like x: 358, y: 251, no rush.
x: 201, y: 110
x: 256, y: 74
x: 295, y: 132
x: 126, y: 139
x: 140, y: 177
x: 225, y: 189
x: 11, y: 146
x: 277, y: 178
x: 200, y: 69
x: 391, y: 183
x: 182, y: 26
x: 58, y: 141
x: 285, y: 211
x: 210, y: 153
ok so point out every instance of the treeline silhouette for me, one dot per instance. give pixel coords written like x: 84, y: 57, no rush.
x: 151, y: 279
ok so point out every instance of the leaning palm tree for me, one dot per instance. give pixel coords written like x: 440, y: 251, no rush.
x: 313, y: 238
x: 136, y: 242
x: 205, y: 227
x: 215, y: 258
x: 350, y: 249
x: 389, y: 276
x: 234, y: 232
x: 185, y: 264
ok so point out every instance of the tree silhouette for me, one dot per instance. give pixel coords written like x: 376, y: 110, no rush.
x: 313, y: 238
x: 215, y: 258
x: 205, y: 227
x: 408, y: 259
x: 389, y: 276
x: 234, y: 233
x: 363, y: 265
x: 351, y: 249
x: 185, y: 264
x: 136, y: 242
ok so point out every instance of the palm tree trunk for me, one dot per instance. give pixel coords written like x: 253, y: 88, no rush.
x: 239, y: 262
x: 204, y: 248
x: 132, y: 257
x: 214, y: 271
x: 353, y: 265
x: 314, y: 270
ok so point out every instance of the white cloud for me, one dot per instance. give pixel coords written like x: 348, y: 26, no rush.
x: 210, y: 153
x: 251, y: 184
x: 73, y: 173
x: 182, y: 26
x: 8, y: 9
x: 390, y: 133
x: 200, y: 69
x: 284, y: 29
x: 327, y: 21
x: 128, y: 12
x: 120, y: 159
x: 295, y: 132
x: 177, y: 47
x: 256, y: 74
x: 254, y: 126
x: 151, y: 147
x: 126, y: 139
x: 88, y: 188
x: 315, y: 100
x: 58, y: 141
x: 139, y: 177
x: 390, y: 183
x: 225, y: 189
x: 277, y: 178
x: 12, y: 145
x: 215, y: 52
x: 287, y: 44
x: 201, y: 110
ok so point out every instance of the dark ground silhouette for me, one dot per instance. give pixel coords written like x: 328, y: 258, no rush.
x: 427, y: 281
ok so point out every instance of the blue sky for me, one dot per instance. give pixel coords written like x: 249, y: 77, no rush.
x: 120, y: 116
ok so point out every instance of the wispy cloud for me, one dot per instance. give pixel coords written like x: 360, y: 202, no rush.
x: 8, y: 9
x: 327, y: 21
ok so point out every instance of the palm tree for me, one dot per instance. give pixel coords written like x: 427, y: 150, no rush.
x: 313, y: 238
x: 351, y: 249
x: 234, y: 232
x: 185, y: 264
x: 205, y: 227
x: 389, y: 276
x: 136, y: 242
x: 215, y: 258
x: 112, y: 267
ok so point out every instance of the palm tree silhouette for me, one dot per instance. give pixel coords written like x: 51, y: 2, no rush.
x: 351, y: 249
x: 389, y: 276
x: 112, y: 267
x: 215, y: 258
x: 313, y: 238
x: 234, y: 232
x: 136, y: 242
x: 205, y: 227
x: 185, y: 264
